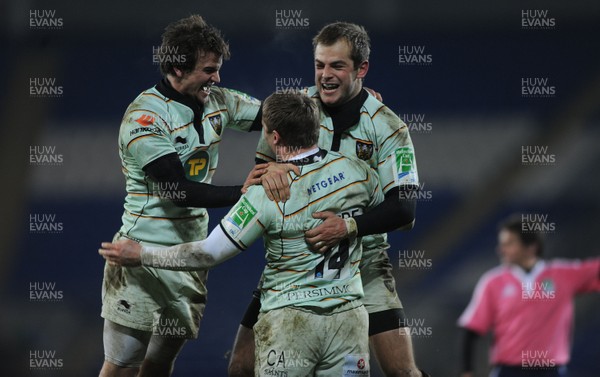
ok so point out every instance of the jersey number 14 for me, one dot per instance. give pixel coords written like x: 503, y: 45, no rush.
x: 332, y: 265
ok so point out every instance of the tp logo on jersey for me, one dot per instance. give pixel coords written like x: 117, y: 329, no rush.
x: 239, y: 218
x: 364, y: 149
x: 215, y: 122
x: 196, y: 167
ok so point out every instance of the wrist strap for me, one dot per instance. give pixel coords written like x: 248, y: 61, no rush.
x: 351, y: 227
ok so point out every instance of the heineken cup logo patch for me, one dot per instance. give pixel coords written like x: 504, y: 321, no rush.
x: 404, y: 168
x: 404, y: 161
x: 242, y: 215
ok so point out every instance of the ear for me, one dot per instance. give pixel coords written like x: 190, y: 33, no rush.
x: 276, y: 138
x: 178, y: 72
x: 363, y: 68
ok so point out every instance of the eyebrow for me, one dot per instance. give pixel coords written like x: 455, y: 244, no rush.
x: 332, y: 63
x: 211, y: 66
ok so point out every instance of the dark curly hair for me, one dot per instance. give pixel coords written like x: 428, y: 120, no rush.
x: 189, y: 38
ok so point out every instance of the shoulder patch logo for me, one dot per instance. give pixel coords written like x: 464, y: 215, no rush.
x: 364, y: 149
x: 548, y: 285
x: 215, y: 122
x: 405, y: 169
x: 145, y: 120
x: 242, y: 215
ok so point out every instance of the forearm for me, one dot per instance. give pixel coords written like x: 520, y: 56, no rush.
x: 173, y: 185
x: 468, y: 347
x: 199, y: 255
x: 257, y: 123
x: 391, y: 214
x: 203, y: 195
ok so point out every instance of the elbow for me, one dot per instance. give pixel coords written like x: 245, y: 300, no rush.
x: 407, y: 216
x: 181, y: 203
x: 212, y: 261
x: 204, y: 261
x: 408, y: 226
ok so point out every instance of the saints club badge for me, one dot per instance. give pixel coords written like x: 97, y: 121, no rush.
x: 215, y: 122
x: 364, y: 149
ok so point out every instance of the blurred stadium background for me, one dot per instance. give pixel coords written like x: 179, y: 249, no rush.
x: 464, y: 104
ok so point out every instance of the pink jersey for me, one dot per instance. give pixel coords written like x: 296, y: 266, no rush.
x: 530, y: 314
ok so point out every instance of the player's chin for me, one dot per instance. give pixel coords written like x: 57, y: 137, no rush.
x: 202, y: 96
x: 330, y: 98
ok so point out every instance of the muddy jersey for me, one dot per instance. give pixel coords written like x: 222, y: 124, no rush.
x: 380, y: 138
x: 294, y: 275
x: 161, y: 121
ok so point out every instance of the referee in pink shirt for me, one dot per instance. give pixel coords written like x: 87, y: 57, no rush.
x: 527, y: 304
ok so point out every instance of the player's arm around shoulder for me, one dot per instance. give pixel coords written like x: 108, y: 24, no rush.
x: 333, y: 229
x: 236, y: 231
x: 242, y: 109
x: 191, y: 256
x: 277, y: 179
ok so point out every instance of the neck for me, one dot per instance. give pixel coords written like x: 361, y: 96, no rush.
x: 174, y: 83
x: 341, y: 105
x: 295, y: 153
x: 528, y: 263
x: 358, y: 90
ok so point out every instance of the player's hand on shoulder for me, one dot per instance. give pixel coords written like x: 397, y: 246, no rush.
x: 123, y: 252
x: 328, y: 234
x: 254, y: 177
x: 275, y: 181
x: 375, y: 94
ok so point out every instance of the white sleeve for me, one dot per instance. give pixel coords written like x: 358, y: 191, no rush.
x: 199, y: 255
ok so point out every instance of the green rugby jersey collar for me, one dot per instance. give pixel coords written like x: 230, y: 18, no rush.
x: 164, y: 87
